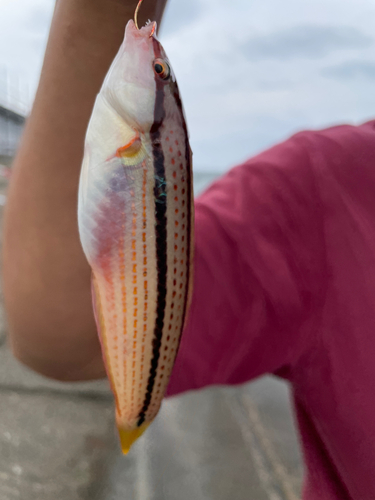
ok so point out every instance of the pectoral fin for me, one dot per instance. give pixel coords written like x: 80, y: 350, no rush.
x: 133, y: 152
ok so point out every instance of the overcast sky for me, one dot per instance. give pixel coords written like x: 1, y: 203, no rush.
x: 250, y: 72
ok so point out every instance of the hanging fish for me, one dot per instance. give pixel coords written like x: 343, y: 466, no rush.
x: 135, y: 216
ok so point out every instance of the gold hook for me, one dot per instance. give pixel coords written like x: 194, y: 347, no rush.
x: 136, y: 14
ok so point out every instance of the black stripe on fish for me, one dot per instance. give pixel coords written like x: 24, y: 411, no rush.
x: 160, y: 197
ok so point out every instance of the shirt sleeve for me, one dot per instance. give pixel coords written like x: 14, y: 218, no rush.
x: 259, y: 271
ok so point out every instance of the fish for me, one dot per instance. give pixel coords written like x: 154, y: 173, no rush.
x: 135, y: 220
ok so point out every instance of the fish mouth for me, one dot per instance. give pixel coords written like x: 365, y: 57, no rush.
x: 147, y: 31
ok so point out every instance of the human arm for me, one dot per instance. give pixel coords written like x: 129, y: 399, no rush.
x: 46, y: 276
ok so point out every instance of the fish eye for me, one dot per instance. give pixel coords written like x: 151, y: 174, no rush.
x: 162, y: 69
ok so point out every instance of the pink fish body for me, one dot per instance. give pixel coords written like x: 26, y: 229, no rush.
x: 135, y: 216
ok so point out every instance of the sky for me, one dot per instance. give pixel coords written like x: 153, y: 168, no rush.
x: 251, y: 73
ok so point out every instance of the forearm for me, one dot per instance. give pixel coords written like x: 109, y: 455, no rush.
x: 46, y: 276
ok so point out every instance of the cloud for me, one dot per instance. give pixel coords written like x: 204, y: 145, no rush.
x: 247, y: 79
x: 304, y: 42
x: 38, y: 18
x: 23, y: 33
x: 351, y: 70
x: 180, y: 14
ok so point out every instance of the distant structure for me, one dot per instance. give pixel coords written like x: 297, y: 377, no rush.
x: 11, y: 126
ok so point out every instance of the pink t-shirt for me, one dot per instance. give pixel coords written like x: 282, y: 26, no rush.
x: 285, y: 284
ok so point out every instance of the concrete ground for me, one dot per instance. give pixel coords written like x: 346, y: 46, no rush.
x: 58, y: 442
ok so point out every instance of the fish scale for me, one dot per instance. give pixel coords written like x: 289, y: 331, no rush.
x: 135, y: 217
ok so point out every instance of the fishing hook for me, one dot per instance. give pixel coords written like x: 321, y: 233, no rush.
x: 136, y: 14
x: 136, y: 19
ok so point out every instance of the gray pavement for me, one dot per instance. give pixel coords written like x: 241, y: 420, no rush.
x: 58, y: 442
